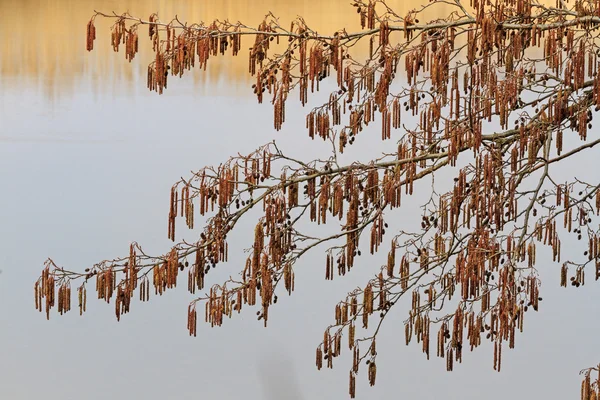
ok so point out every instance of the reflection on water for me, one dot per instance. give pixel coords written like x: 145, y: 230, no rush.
x: 42, y: 41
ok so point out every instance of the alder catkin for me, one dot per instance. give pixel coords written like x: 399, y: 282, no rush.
x: 90, y: 35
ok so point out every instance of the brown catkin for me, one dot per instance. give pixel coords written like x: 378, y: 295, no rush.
x: 563, y: 275
x: 90, y: 35
x: 499, y: 356
x: 495, y: 356
x: 319, y: 358
x: 80, y: 298
x: 36, y: 294
x: 372, y: 373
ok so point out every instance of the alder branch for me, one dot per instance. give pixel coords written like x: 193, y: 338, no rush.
x: 470, y: 269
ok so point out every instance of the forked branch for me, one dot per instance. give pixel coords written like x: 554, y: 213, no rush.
x: 497, y: 93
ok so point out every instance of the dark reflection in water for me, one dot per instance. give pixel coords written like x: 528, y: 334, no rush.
x: 277, y: 374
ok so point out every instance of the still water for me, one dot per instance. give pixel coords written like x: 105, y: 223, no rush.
x: 45, y: 40
x: 87, y: 158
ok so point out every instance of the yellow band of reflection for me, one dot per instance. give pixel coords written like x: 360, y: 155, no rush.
x: 45, y: 40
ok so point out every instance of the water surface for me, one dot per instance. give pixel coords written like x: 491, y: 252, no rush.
x: 87, y: 158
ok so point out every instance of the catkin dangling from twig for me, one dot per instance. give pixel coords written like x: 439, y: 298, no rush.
x: 90, y: 35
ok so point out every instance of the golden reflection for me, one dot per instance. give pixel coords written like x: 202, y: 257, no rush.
x: 43, y: 41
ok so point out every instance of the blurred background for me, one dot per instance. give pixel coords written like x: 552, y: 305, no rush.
x: 87, y: 159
